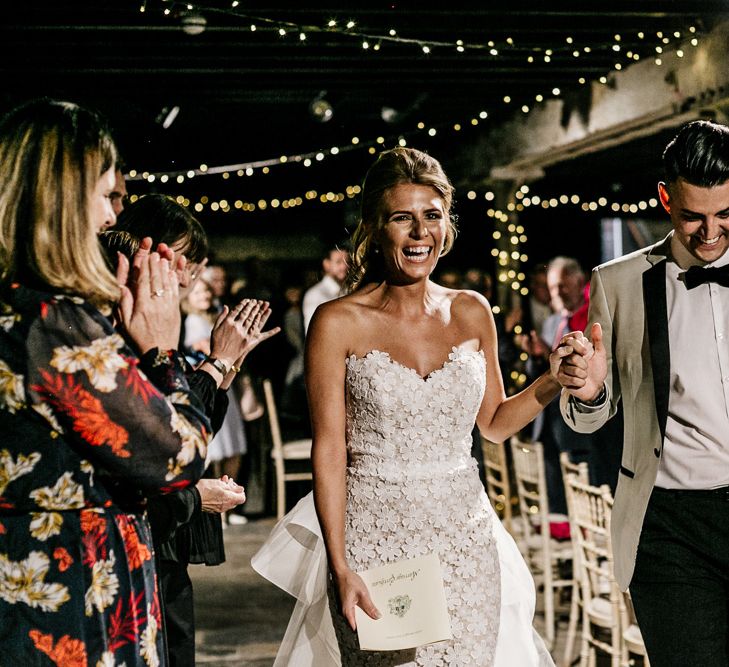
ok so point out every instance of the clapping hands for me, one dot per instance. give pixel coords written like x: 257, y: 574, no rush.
x: 238, y: 331
x: 150, y: 313
x: 149, y: 307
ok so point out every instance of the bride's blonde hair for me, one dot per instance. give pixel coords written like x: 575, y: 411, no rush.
x: 393, y: 167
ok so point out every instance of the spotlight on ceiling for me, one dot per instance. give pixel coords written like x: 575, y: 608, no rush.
x: 389, y: 115
x: 193, y: 24
x: 167, y: 116
x: 320, y: 109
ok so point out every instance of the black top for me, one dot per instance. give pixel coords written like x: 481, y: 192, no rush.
x: 181, y: 531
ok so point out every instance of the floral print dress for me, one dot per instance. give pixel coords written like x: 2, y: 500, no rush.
x: 89, y: 429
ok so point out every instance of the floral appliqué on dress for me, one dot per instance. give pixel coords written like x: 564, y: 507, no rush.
x: 413, y: 488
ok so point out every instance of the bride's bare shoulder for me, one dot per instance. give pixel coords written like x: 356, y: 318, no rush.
x: 345, y: 313
x: 470, y: 305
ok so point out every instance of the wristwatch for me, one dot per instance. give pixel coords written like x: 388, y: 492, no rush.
x: 217, y: 365
x: 598, y: 400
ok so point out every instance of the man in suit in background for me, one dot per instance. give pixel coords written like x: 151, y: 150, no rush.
x: 538, y: 305
x: 659, y: 340
x: 566, y: 285
x: 331, y: 286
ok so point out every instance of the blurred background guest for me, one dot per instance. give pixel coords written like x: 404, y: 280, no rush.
x: 569, y: 290
x: 229, y: 443
x: 334, y: 267
x: 216, y: 277
x: 539, y: 304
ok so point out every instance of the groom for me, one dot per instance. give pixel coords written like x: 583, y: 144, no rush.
x: 664, y: 348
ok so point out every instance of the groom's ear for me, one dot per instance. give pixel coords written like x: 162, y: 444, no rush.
x: 664, y: 196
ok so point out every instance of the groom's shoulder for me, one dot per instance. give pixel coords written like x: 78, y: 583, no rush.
x: 635, y: 262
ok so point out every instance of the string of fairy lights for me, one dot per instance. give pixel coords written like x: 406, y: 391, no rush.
x: 625, y: 48
x: 509, y: 235
x: 523, y: 201
x: 510, y: 238
x: 515, y: 234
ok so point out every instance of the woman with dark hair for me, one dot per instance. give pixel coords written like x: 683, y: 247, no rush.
x: 92, y: 422
x: 397, y: 373
x: 164, y: 220
x: 186, y: 526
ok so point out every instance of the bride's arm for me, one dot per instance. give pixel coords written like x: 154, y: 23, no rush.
x: 500, y: 417
x: 326, y: 352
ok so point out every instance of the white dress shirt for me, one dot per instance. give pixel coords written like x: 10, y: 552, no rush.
x: 325, y: 290
x: 696, y: 447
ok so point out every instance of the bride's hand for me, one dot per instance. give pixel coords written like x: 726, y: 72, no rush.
x: 353, y: 593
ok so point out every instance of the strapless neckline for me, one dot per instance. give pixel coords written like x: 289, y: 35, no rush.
x: 454, y: 355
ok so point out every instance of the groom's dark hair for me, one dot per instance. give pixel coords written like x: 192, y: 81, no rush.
x: 699, y: 154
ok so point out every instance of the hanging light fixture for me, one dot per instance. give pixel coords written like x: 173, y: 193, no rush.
x: 193, y: 24
x: 167, y: 116
x: 320, y: 108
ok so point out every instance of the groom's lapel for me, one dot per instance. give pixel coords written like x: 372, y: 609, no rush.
x: 656, y: 314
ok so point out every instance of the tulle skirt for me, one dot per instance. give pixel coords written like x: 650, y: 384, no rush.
x: 294, y: 559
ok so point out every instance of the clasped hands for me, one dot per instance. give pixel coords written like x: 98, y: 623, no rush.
x: 579, y: 364
x: 220, y: 495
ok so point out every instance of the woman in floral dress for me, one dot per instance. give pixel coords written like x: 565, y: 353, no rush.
x: 92, y: 421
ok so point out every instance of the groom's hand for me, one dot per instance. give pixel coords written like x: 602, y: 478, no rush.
x: 582, y: 365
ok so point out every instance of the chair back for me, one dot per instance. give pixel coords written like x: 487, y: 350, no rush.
x: 531, y: 488
x: 591, y: 515
x: 498, y: 484
x: 272, y: 412
x: 296, y: 452
x: 543, y: 554
x: 580, y: 472
x: 592, y: 509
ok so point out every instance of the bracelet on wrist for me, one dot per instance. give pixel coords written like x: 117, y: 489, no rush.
x: 217, y: 365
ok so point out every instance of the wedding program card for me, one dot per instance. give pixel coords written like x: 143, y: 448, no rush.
x: 410, y: 596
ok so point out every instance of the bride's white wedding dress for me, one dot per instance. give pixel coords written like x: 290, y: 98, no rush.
x: 412, y: 488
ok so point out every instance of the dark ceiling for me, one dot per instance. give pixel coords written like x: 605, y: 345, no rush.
x: 244, y: 95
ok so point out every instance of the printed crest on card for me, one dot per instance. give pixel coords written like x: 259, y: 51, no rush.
x: 399, y: 605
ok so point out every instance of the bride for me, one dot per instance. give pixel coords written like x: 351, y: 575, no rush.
x: 397, y: 372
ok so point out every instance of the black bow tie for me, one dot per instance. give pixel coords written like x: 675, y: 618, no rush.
x: 697, y: 275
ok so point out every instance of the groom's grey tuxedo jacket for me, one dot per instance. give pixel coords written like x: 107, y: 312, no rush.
x: 628, y: 298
